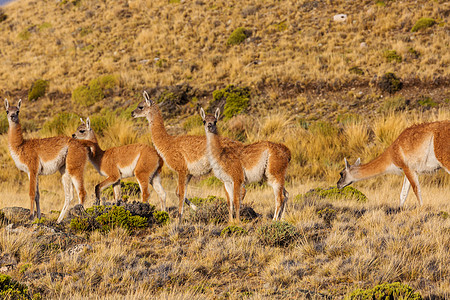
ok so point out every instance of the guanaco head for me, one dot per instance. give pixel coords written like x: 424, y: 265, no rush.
x: 347, y: 175
x: 146, y: 108
x: 84, y: 131
x: 12, y: 112
x: 210, y: 121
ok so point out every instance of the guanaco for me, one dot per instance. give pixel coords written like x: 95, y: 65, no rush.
x: 236, y: 164
x: 45, y: 157
x: 185, y: 154
x: 139, y: 160
x: 421, y: 148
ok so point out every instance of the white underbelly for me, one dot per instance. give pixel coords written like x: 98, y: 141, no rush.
x: 218, y: 170
x: 52, y: 166
x: 199, y: 167
x: 128, y: 171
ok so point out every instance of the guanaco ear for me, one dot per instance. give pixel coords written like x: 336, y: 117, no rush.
x: 6, y: 104
x: 82, y: 122
x: 347, y: 165
x: 147, y: 99
x: 202, y: 113
x: 217, y: 113
x: 358, y: 161
x: 19, y: 103
x: 88, y: 123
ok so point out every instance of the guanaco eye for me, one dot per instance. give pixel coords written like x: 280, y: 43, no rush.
x: 7, y: 112
x: 82, y: 131
x: 204, y: 122
x: 141, y: 107
x: 215, y: 122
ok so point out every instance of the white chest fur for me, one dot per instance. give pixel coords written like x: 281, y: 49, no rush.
x: 199, y: 167
x: 21, y: 166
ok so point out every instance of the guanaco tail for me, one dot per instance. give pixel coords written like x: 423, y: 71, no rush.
x: 185, y: 154
x: 421, y: 148
x: 45, y: 157
x: 236, y: 164
x: 115, y: 163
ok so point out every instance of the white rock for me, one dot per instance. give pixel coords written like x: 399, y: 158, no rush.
x: 363, y: 45
x: 340, y: 18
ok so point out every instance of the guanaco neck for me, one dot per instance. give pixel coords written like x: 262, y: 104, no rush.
x: 15, y: 135
x: 161, y: 139
x: 96, y: 152
x: 214, y: 145
x: 380, y: 165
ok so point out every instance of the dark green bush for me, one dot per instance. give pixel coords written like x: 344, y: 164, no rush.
x: 3, y: 16
x: 347, y: 193
x: 237, y: 36
x: 161, y: 217
x: 392, y: 56
x: 277, y: 234
x: 11, y: 289
x: 38, y: 89
x: 233, y: 230
x: 390, y: 83
x: 210, y: 210
x: 386, y: 291
x: 236, y: 100
x: 120, y: 217
x: 423, y: 23
x: 327, y: 214
x: 394, y: 104
x: 427, y: 102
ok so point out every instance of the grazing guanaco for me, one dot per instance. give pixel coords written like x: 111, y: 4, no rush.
x: 236, y: 164
x: 186, y: 154
x: 421, y: 148
x: 45, y: 157
x: 137, y: 160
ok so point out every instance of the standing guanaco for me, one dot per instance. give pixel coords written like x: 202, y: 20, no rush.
x: 137, y: 160
x: 45, y: 157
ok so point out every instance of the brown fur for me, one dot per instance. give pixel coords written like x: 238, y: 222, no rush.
x: 408, y: 153
x: 35, y: 156
x: 236, y: 164
x: 110, y: 162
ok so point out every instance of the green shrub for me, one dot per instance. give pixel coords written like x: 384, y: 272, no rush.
x: 211, y: 181
x: 11, y: 289
x: 356, y: 70
x: 277, y: 234
x: 386, y: 291
x: 38, y: 89
x: 80, y: 225
x: 233, y: 230
x: 161, y: 217
x: 423, y: 23
x: 392, y: 56
x: 128, y: 188
x: 25, y: 34
x: 94, y: 91
x: 414, y: 53
x: 347, y: 193
x: 236, y: 100
x: 120, y: 217
x: 323, y: 128
x: 394, y: 104
x: 427, y: 102
x: 237, y: 36
x: 60, y: 122
x: 192, y: 122
x: 390, y: 83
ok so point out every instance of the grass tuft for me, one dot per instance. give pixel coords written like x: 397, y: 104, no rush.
x: 423, y: 23
x: 277, y: 234
x: 38, y: 89
x: 237, y: 36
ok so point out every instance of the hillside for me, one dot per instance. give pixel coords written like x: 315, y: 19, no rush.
x: 292, y: 51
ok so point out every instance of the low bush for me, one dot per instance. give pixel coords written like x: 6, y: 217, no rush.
x: 38, y: 89
x: 60, y: 123
x: 237, y: 36
x: 161, y: 217
x: 95, y: 91
x: 426, y: 102
x: 356, y: 70
x: 3, y: 16
x: 390, y: 83
x: 11, y: 289
x: 232, y: 100
x: 277, y: 233
x: 386, y: 291
x: 233, y: 230
x: 118, y: 216
x: 211, y: 209
x: 423, y: 23
x: 333, y: 193
x: 392, y: 56
x: 328, y: 214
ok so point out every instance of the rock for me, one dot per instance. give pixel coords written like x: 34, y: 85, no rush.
x: 12, y: 228
x: 7, y: 262
x: 16, y: 214
x: 340, y: 18
x: 77, y: 249
x: 363, y: 45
